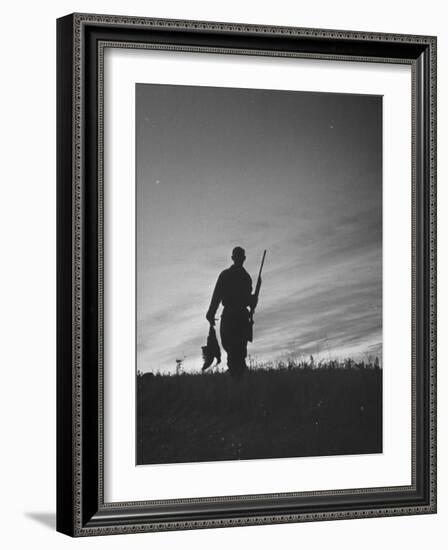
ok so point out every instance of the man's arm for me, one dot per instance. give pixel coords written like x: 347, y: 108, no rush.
x: 215, y: 301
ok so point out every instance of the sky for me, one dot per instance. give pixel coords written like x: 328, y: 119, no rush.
x: 296, y: 173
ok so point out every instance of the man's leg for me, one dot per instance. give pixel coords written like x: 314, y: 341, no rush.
x: 234, y: 342
x: 231, y: 361
x: 239, y: 366
x: 234, y: 360
x: 226, y: 340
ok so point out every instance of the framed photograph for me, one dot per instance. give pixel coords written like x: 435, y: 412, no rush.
x: 246, y: 274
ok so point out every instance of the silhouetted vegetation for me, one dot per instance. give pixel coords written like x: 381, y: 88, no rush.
x: 286, y: 409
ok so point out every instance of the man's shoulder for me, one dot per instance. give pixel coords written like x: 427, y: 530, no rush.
x: 233, y: 271
x: 225, y: 272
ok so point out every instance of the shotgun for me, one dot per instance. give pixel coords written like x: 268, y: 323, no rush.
x: 256, y: 294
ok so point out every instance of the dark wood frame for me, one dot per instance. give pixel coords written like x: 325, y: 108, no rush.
x: 81, y: 39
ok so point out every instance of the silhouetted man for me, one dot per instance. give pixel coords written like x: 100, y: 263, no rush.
x: 234, y: 290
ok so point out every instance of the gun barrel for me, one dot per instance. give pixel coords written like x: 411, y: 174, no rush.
x: 262, y: 264
x: 258, y: 285
x: 257, y: 292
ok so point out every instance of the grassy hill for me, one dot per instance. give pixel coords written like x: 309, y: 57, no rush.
x: 270, y: 413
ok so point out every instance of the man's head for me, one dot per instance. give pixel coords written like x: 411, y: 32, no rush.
x: 238, y: 256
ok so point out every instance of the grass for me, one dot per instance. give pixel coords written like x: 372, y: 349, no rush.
x: 292, y: 410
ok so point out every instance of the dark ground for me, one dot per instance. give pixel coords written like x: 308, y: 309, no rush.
x: 268, y: 414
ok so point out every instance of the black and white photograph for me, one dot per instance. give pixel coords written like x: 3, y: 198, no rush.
x: 258, y: 274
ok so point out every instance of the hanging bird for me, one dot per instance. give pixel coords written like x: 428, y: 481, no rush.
x: 211, y: 351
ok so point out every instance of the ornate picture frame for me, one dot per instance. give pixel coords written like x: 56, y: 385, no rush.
x: 81, y: 506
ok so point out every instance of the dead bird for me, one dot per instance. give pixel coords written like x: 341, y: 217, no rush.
x: 211, y: 351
